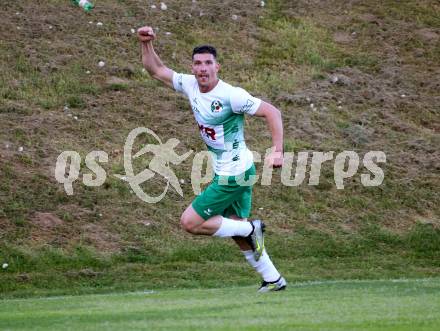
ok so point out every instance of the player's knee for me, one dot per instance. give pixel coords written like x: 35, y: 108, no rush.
x: 187, y: 224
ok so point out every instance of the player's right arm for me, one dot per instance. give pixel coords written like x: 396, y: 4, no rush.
x: 151, y: 60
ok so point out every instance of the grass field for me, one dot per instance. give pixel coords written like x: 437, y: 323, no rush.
x: 332, y: 305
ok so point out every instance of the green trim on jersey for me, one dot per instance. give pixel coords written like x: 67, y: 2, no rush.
x: 226, y: 196
x: 233, y: 128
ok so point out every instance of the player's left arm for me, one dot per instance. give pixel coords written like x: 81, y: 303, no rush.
x: 275, y: 124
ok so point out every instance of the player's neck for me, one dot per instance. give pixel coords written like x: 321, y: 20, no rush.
x: 208, y: 88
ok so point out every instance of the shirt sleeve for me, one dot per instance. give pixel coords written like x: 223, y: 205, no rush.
x: 242, y: 102
x: 182, y: 82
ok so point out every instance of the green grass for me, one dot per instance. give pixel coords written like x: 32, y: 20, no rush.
x: 334, y: 305
x: 47, y: 90
x: 195, y: 262
x: 423, y: 13
x: 303, y: 43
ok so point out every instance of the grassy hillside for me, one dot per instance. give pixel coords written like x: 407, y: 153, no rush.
x: 54, y: 97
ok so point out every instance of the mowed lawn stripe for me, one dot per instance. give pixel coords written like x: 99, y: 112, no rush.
x: 333, y: 305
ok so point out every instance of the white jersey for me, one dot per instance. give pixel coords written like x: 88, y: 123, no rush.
x: 219, y: 114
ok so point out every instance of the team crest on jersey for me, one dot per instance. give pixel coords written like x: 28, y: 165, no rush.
x: 216, y: 106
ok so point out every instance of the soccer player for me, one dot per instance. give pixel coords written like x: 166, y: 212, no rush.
x: 223, y: 207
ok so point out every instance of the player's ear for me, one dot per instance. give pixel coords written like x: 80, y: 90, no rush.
x: 217, y: 66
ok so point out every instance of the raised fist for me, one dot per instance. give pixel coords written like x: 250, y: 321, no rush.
x: 145, y: 34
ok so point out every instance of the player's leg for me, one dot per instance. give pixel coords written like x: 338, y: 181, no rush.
x: 203, y: 216
x: 199, y: 217
x: 272, y: 279
x: 243, y: 243
x: 241, y: 208
x: 192, y: 222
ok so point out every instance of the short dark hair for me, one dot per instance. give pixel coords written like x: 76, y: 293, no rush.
x: 205, y: 49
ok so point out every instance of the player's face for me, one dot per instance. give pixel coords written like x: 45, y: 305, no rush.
x: 205, y: 68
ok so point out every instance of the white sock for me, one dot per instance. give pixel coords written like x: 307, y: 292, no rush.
x: 263, y: 266
x: 230, y: 228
